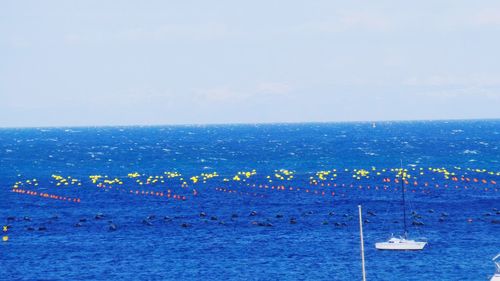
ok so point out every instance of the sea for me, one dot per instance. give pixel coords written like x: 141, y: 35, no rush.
x: 250, y: 202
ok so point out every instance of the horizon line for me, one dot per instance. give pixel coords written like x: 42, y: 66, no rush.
x: 246, y: 123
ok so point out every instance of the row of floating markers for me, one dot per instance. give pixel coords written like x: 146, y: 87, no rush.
x: 416, y: 183
x: 168, y: 194
x: 474, y: 182
x: 234, y: 191
x: 158, y: 194
x: 297, y: 189
x: 277, y: 188
x: 455, y: 179
x: 341, y: 187
x: 150, y: 180
x: 430, y: 186
x: 281, y: 175
x: 366, y: 174
x: 103, y: 182
x: 46, y: 195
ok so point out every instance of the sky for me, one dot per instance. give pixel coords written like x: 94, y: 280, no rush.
x: 90, y: 63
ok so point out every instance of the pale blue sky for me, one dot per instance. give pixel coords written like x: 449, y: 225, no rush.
x: 74, y: 63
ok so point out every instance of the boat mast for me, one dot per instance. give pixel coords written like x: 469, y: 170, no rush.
x: 362, y: 243
x: 404, y: 203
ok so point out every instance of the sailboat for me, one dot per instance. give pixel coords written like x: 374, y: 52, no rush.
x: 496, y: 260
x: 401, y: 243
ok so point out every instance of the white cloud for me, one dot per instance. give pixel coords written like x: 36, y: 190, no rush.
x: 148, y: 34
x: 451, y: 87
x: 487, y: 17
x: 205, y: 31
x: 231, y: 95
x: 221, y: 94
x: 478, y: 79
x: 74, y: 39
x: 471, y: 17
x: 460, y: 93
x: 349, y: 21
x: 274, y: 88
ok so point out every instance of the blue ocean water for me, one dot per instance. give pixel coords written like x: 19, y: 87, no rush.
x: 248, y: 202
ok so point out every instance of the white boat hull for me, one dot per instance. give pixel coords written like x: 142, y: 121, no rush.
x: 496, y: 260
x: 396, y: 244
